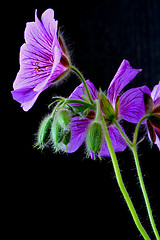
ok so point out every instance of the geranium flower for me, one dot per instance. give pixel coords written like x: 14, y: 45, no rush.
x: 43, y: 58
x: 130, y: 108
x: 152, y: 107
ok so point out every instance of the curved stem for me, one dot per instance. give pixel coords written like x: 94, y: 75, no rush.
x: 134, y: 149
x: 91, y: 106
x: 137, y: 128
x: 122, y: 133
x: 83, y: 81
x: 120, y: 181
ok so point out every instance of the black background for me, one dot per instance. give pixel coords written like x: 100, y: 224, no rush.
x: 67, y: 194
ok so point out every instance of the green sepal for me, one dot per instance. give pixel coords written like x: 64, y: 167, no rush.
x: 148, y: 103
x: 106, y: 107
x: 117, y: 106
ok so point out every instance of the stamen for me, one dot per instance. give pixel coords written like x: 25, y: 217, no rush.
x: 39, y: 69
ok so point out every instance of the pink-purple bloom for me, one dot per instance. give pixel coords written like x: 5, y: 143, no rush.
x: 130, y: 108
x: 43, y: 58
x: 153, y: 110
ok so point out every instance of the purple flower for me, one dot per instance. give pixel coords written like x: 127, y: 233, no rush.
x: 43, y: 58
x: 152, y: 107
x: 130, y: 107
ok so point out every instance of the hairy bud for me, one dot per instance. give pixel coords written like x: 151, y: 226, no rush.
x: 60, y: 131
x: 94, y: 137
x: 64, y: 118
x: 44, y: 132
x: 57, y: 133
x: 67, y: 137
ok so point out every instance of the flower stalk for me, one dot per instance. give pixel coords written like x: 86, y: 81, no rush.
x: 134, y: 150
x: 83, y: 81
x: 120, y: 182
x: 133, y: 147
x: 88, y: 115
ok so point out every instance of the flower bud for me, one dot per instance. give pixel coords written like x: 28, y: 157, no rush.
x: 94, y: 137
x: 57, y: 133
x: 44, y: 132
x: 67, y: 137
x: 64, y: 118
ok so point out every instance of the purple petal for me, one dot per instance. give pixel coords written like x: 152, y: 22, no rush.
x: 80, y: 91
x: 156, y: 92
x: 123, y: 76
x: 157, y: 134
x: 78, y: 133
x: 39, y: 60
x: 35, y: 75
x: 25, y: 96
x: 131, y: 105
x: 157, y: 102
x: 38, y: 34
x: 35, y: 67
x: 52, y: 76
x: 49, y: 23
x: 157, y: 142
x: 118, y: 142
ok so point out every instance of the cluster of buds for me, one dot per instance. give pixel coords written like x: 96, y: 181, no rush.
x: 55, y: 128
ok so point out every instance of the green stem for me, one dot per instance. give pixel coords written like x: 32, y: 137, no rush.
x: 91, y: 106
x: 134, y: 149
x: 83, y: 81
x: 123, y: 134
x: 137, y: 128
x: 120, y: 181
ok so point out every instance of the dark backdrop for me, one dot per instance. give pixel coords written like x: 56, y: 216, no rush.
x: 70, y: 195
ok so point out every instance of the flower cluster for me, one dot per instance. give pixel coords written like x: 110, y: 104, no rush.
x: 88, y: 115
x: 44, y: 60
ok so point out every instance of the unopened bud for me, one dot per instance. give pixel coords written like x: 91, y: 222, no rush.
x: 94, y: 137
x: 67, y: 137
x: 64, y: 118
x: 57, y: 133
x: 44, y: 132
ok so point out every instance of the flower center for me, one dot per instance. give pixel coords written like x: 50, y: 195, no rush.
x: 39, y: 69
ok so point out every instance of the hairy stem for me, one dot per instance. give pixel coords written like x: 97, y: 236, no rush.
x: 120, y: 181
x: 133, y: 147
x: 134, y: 150
x: 83, y: 81
x: 144, y: 192
x: 122, y: 133
x: 84, y: 103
